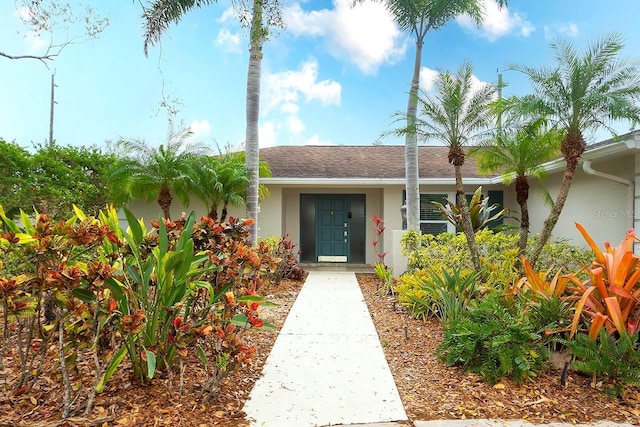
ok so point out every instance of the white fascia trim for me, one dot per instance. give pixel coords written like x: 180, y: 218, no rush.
x: 631, y: 142
x: 373, y: 181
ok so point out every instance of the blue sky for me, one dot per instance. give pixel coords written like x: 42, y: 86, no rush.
x: 335, y: 75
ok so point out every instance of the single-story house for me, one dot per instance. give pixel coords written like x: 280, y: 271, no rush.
x: 324, y: 197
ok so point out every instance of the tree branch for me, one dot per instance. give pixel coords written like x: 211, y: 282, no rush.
x: 41, y: 58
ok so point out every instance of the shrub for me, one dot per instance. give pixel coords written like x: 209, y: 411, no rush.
x: 498, y: 255
x: 615, y: 361
x: 494, y: 339
x: 411, y: 294
x: 287, y: 264
x: 96, y: 292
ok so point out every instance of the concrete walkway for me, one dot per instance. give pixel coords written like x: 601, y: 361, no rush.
x: 327, y: 366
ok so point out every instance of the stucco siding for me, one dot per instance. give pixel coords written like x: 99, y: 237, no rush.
x: 602, y: 206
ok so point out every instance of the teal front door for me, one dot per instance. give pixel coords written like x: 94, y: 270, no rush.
x: 333, y: 228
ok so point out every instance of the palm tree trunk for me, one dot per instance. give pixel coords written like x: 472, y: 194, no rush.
x: 411, y: 146
x: 467, y: 228
x: 572, y: 147
x: 555, y: 212
x: 253, y: 111
x: 224, y: 213
x: 213, y: 213
x: 164, y: 200
x: 522, y: 195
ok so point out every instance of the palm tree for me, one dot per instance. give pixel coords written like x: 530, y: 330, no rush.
x: 456, y: 116
x: 518, y: 153
x: 162, y: 13
x: 154, y: 173
x: 418, y: 17
x: 582, y: 93
x: 223, y: 180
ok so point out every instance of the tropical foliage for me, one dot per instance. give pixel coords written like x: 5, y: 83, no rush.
x: 221, y: 181
x: 155, y: 173
x: 456, y: 116
x: 480, y: 212
x: 98, y: 294
x: 52, y: 178
x: 610, y: 297
x: 518, y: 151
x: 496, y: 340
x: 582, y: 92
x: 259, y: 16
x: 418, y: 18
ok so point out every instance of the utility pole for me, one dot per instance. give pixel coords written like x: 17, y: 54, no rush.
x: 53, y: 101
x: 500, y: 85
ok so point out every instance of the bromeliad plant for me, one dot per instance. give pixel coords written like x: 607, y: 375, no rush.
x: 479, y: 209
x: 610, y: 297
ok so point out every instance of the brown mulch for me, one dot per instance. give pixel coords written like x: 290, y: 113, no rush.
x: 428, y: 389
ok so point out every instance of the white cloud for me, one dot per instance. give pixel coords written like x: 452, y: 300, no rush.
x: 200, y: 130
x: 24, y: 14
x: 295, y: 125
x: 282, y: 89
x: 568, y: 29
x: 229, y: 14
x: 497, y: 22
x: 267, y: 135
x: 284, y: 92
x: 428, y: 78
x: 230, y: 42
x: 315, y: 140
x: 363, y: 34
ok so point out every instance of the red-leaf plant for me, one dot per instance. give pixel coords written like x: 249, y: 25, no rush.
x: 106, y: 293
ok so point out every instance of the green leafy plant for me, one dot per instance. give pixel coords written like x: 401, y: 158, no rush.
x: 616, y: 361
x: 100, y: 294
x: 498, y: 254
x: 482, y: 214
x: 494, y: 339
x: 281, y: 249
x: 411, y: 294
x: 452, y: 293
x: 385, y: 276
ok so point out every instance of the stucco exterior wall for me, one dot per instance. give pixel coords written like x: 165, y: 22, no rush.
x: 602, y: 206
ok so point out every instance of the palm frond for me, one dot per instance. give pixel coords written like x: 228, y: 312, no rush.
x: 162, y: 13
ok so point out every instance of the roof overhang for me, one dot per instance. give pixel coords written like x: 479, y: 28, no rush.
x: 626, y: 143
x: 370, y: 182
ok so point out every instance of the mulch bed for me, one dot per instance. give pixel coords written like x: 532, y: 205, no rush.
x: 429, y: 389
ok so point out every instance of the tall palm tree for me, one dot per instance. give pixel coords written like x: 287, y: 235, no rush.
x: 518, y: 151
x: 259, y: 15
x: 583, y: 92
x: 419, y: 17
x: 152, y: 173
x: 456, y: 116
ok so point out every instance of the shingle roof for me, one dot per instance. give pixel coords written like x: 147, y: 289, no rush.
x: 373, y: 161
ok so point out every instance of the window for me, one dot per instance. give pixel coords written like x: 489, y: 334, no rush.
x: 431, y: 220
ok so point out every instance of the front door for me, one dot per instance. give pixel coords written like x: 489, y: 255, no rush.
x: 333, y: 228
